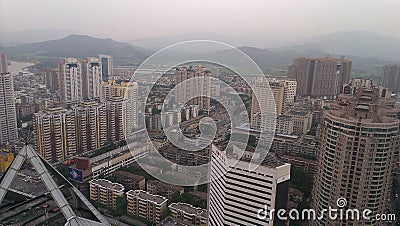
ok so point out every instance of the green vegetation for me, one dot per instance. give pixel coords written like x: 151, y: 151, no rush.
x: 301, y: 180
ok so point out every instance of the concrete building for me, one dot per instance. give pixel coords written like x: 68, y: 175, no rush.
x: 70, y: 79
x: 195, y: 83
x: 54, y: 134
x: 302, y: 120
x: 295, y: 145
x: 166, y: 190
x: 284, y: 125
x: 130, y: 181
x: 6, y: 159
x: 236, y: 194
x: 146, y: 205
x: 320, y: 77
x: 105, y: 192
x: 107, y: 66
x: 391, y: 77
x: 8, y: 113
x: 3, y: 63
x: 186, y: 214
x: 51, y: 80
x: 358, y: 145
x: 129, y: 92
x: 91, y: 78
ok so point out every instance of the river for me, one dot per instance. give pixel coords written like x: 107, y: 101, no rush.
x: 16, y: 67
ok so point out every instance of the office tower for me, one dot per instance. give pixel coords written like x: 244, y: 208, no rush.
x: 198, y: 86
x: 70, y: 79
x: 91, y: 78
x: 391, y: 77
x: 145, y: 205
x: 51, y: 80
x: 3, y: 63
x: 237, y: 195
x: 105, y: 192
x: 106, y: 66
x: 126, y: 90
x: 54, y: 132
x: 320, y: 77
x: 8, y: 113
x: 356, y: 157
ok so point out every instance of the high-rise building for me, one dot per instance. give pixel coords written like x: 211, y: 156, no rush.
x: 107, y: 66
x: 195, y: 83
x: 8, y: 113
x: 61, y: 133
x: 51, y: 80
x: 91, y: 78
x: 320, y: 77
x: 3, y: 63
x: 70, y: 79
x: 282, y: 94
x: 54, y: 132
x: 391, y: 77
x: 91, y: 125
x: 129, y: 92
x: 237, y: 194
x: 356, y: 159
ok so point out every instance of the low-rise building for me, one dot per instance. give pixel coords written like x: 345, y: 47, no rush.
x: 130, y: 181
x: 284, y: 125
x: 146, y: 205
x: 105, y: 192
x: 186, y: 214
x: 164, y: 189
x: 302, y: 121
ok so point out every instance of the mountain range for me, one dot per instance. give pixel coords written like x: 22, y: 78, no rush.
x: 366, y: 50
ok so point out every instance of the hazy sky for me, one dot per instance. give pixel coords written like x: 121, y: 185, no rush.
x: 130, y: 19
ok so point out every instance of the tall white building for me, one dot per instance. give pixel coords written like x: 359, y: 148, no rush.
x: 238, y: 195
x: 193, y: 81
x: 70, y: 79
x: 91, y: 78
x: 3, y: 63
x: 107, y: 66
x: 283, y: 95
x: 8, y: 114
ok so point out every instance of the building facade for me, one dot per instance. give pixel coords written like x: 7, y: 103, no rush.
x: 195, y: 83
x: 146, y: 205
x: 186, y: 214
x: 105, y: 192
x: 320, y: 77
x: 70, y: 79
x: 91, y: 78
x: 357, y: 156
x: 107, y: 66
x: 391, y: 77
x: 8, y: 113
x: 236, y: 194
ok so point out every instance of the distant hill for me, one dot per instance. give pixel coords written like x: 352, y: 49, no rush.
x: 356, y: 43
x: 78, y: 46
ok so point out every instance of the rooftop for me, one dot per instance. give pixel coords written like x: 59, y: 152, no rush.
x: 147, y: 196
x: 107, y: 184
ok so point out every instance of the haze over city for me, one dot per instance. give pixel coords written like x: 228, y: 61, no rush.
x: 199, y: 113
x: 278, y: 22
